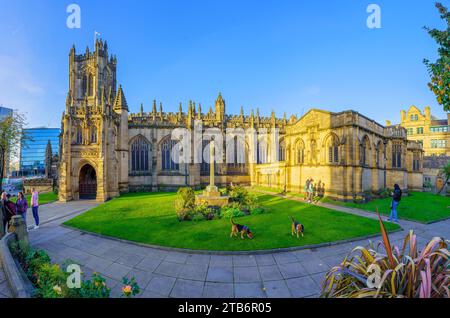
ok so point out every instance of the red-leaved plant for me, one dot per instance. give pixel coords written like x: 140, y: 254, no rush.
x: 406, y: 273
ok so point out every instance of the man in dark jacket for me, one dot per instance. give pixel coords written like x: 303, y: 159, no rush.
x: 396, y: 198
x: 3, y: 213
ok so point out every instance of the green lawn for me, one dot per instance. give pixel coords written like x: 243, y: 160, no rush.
x: 267, y: 189
x: 44, y: 198
x: 422, y: 207
x: 150, y: 218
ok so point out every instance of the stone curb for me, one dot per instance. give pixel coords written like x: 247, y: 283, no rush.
x: 13, y: 274
x: 256, y: 252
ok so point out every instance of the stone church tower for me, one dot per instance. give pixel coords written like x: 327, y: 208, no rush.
x: 94, y: 129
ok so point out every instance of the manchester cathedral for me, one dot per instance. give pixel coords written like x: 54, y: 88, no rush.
x: 105, y: 150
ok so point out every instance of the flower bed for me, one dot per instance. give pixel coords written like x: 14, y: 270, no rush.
x: 51, y: 281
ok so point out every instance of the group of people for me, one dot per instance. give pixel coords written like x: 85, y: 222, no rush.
x: 313, y: 190
x: 20, y: 207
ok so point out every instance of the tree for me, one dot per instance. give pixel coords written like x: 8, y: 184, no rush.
x: 10, y: 137
x: 446, y: 175
x: 48, y: 160
x: 440, y: 70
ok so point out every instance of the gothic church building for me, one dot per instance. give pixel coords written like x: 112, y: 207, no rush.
x: 105, y: 150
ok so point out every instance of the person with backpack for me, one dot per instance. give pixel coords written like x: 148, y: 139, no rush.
x: 22, y: 207
x: 396, y: 198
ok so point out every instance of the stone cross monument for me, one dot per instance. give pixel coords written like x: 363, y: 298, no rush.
x: 211, y: 166
x: 211, y: 196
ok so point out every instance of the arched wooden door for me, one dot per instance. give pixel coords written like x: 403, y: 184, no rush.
x: 88, y: 183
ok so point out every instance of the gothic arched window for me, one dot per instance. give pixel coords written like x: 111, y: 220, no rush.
x: 364, y: 151
x: 282, y: 151
x: 140, y: 155
x: 237, y: 156
x: 237, y: 152
x: 94, y: 138
x: 167, y: 148
x: 397, y: 155
x: 333, y: 149
x: 313, y: 157
x: 79, y: 135
x: 261, y: 151
x: 379, y: 154
x: 416, y: 161
x: 300, y: 152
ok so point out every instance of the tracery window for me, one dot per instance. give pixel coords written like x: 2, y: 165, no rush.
x: 140, y: 155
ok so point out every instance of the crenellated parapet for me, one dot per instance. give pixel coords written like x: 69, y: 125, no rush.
x: 155, y: 118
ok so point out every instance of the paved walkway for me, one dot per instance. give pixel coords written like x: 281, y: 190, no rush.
x: 174, y: 274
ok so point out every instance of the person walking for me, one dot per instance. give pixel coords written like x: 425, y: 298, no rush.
x: 396, y: 198
x: 307, y: 189
x: 22, y: 207
x: 310, y: 190
x: 35, y: 207
x: 3, y: 213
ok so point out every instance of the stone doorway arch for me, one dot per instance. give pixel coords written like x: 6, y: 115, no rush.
x: 88, y: 183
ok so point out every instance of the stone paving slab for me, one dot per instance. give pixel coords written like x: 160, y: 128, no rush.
x: 218, y: 290
x: 162, y: 273
x: 277, y: 289
x: 187, y: 289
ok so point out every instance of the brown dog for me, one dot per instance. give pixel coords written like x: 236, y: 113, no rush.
x: 297, y: 228
x: 238, y: 228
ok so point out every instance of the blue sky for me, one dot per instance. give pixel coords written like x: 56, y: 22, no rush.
x: 287, y: 56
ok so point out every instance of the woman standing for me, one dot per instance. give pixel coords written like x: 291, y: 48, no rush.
x: 22, y: 207
x: 35, y: 207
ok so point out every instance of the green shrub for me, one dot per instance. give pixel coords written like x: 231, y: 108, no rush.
x: 94, y: 288
x: 185, y: 203
x: 257, y: 211
x: 208, y: 213
x: 384, y: 193
x: 427, y: 185
x: 198, y: 217
x: 187, y: 196
x: 240, y: 195
x: 229, y: 212
x: 50, y: 281
x: 185, y: 215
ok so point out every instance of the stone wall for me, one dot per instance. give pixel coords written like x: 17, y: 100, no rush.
x: 41, y: 185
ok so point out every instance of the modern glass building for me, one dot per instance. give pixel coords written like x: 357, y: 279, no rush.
x: 32, y: 150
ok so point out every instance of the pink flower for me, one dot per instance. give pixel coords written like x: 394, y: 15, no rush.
x: 127, y: 289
